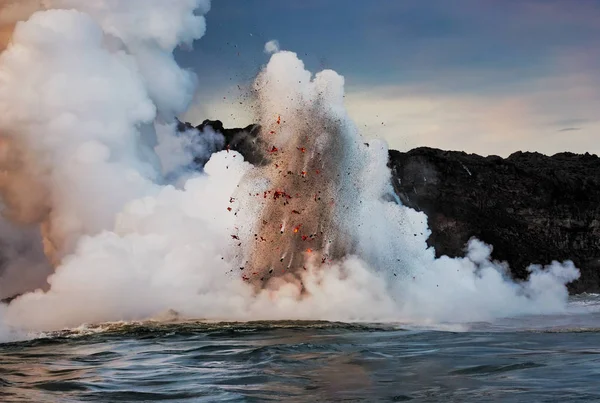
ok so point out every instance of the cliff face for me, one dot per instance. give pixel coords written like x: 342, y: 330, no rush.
x: 245, y: 140
x: 532, y: 208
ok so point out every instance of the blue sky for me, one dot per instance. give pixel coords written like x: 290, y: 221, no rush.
x: 485, y: 76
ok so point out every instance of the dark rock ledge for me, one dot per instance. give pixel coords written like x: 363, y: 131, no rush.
x: 531, y: 207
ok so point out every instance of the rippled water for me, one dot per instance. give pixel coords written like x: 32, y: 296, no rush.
x: 526, y: 359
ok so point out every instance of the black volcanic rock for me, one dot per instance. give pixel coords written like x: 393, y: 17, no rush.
x: 245, y: 140
x: 532, y: 208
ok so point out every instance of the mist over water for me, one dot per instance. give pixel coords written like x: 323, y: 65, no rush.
x: 94, y: 164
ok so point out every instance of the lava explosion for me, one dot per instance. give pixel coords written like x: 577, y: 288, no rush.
x: 88, y: 99
x: 302, y: 215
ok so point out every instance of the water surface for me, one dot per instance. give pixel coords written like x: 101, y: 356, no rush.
x: 525, y: 359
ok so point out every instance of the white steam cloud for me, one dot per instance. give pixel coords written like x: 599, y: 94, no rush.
x: 272, y: 46
x: 88, y: 98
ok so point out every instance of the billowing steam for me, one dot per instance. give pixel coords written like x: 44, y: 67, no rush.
x: 88, y: 98
x: 272, y: 46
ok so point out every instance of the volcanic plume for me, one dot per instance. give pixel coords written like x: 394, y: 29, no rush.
x: 89, y: 96
x: 306, y: 144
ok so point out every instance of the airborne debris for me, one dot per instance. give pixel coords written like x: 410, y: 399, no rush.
x: 280, y: 193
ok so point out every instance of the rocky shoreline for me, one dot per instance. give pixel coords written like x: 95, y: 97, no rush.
x: 531, y: 207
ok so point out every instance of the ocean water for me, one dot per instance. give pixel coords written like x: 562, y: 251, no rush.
x: 525, y: 359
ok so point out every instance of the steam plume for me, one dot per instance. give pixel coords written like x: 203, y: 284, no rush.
x: 272, y: 46
x: 88, y: 98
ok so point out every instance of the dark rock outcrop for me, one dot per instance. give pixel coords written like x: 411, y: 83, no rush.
x: 532, y: 208
x: 245, y: 140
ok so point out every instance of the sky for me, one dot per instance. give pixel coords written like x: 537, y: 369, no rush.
x: 481, y: 76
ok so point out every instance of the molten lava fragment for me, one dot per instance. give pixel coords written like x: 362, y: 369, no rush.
x: 228, y: 208
x: 278, y: 120
x: 277, y: 194
x: 274, y: 149
x: 295, y: 212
